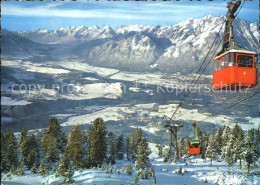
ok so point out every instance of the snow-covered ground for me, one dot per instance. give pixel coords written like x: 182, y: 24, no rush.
x: 11, y: 102
x: 146, y: 112
x: 195, y: 171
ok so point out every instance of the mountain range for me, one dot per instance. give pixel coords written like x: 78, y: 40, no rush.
x: 174, y: 48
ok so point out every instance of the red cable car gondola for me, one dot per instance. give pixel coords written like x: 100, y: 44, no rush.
x: 234, y: 67
x: 193, y: 144
x: 235, y: 70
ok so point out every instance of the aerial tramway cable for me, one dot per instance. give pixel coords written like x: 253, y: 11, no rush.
x: 231, y: 106
x: 194, y: 81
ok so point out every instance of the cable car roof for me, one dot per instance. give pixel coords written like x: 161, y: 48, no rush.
x: 237, y: 51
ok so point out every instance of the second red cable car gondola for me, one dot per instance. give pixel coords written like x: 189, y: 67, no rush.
x: 234, y: 67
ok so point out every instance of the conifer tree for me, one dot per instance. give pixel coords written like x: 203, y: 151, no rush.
x: 103, y: 167
x: 112, y: 151
x: 4, y: 162
x: 11, y: 171
x: 75, y: 145
x: 225, y: 135
x: 50, y: 148
x: 120, y: 147
x: 204, y: 145
x: 129, y: 169
x: 256, y: 141
x: 250, y: 153
x: 141, y: 173
x: 182, y: 147
x: 160, y: 149
x: 136, y: 179
x: 143, y: 155
x: 55, y: 130
x: 238, y: 148
x: 44, y: 168
x: 21, y: 143
x: 229, y: 157
x: 97, y: 144
x: 34, y: 169
x: 135, y: 139
x: 65, y: 168
x: 20, y: 169
x: 123, y: 168
x: 210, y: 152
x: 109, y: 168
x: 235, y: 131
x: 11, y: 152
x: 128, y: 148
x: 218, y: 140
x: 31, y: 151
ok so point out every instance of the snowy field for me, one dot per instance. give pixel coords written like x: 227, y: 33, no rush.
x: 147, y: 112
x: 195, y: 171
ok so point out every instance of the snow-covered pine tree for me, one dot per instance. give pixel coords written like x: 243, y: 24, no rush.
x: 97, y: 143
x: 109, y: 168
x: 21, y: 144
x: 143, y: 153
x: 103, y: 167
x: 256, y: 141
x: 44, y: 167
x: 210, y: 152
x: 120, y: 149
x: 11, y: 171
x: 229, y: 157
x: 75, y: 146
x: 4, y: 161
x: 129, y: 169
x: 218, y: 140
x: 239, y: 147
x: 250, y: 153
x: 128, y: 148
x: 55, y: 130
x: 123, y: 169
x: 65, y: 167
x: 20, y: 169
x: 34, y: 169
x: 136, y: 179
x: 182, y: 147
x: 11, y: 152
x: 225, y: 138
x: 31, y: 151
x: 140, y: 173
x: 135, y: 139
x: 204, y: 145
x: 225, y: 135
x: 49, y: 147
x: 160, y: 149
x: 112, y: 149
x: 235, y: 131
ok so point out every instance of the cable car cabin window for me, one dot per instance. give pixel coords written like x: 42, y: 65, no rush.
x: 219, y: 64
x: 222, y: 63
x: 226, y: 60
x: 215, y: 65
x: 256, y: 62
x: 231, y: 59
x: 244, y: 61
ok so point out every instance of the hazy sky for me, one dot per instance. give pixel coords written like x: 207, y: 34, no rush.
x: 21, y: 16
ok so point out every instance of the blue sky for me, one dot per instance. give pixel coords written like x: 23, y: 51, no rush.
x: 21, y: 16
